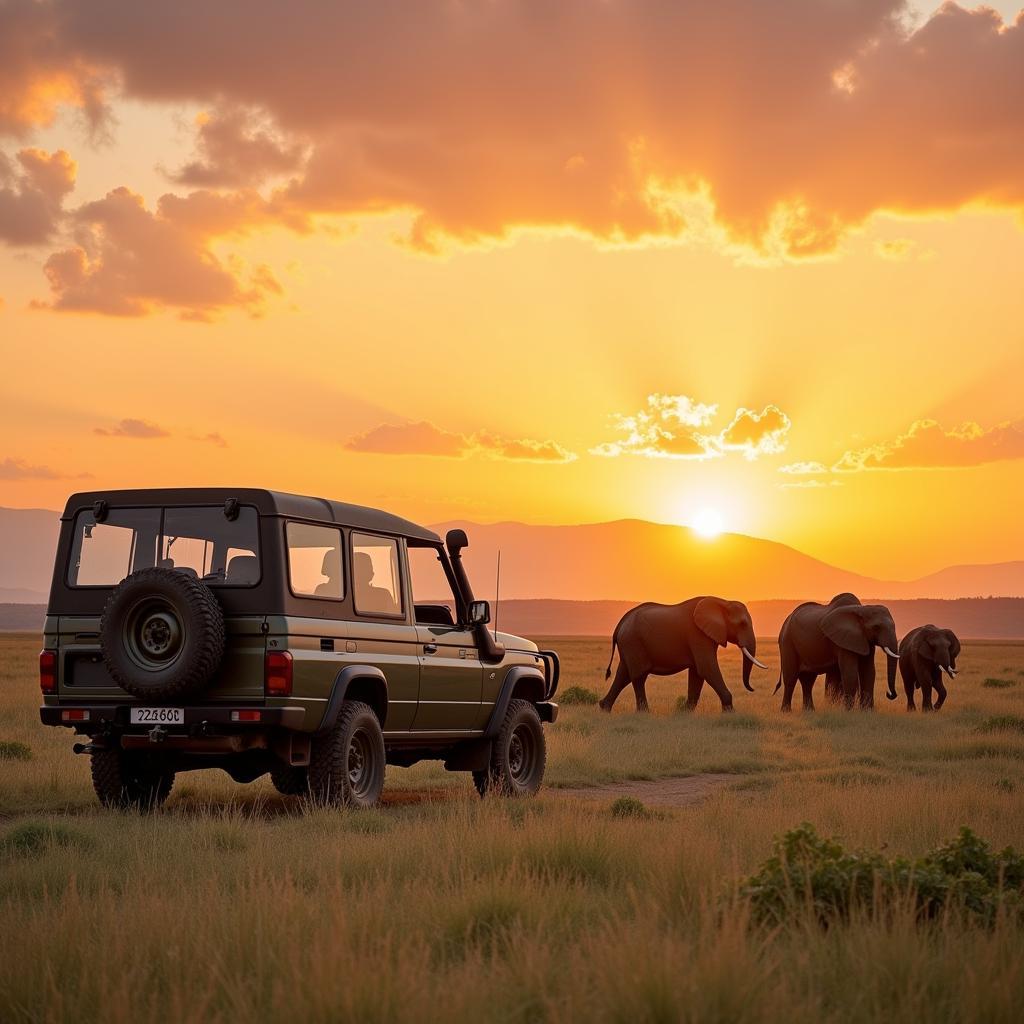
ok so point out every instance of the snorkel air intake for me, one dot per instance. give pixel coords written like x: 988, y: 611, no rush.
x: 490, y: 650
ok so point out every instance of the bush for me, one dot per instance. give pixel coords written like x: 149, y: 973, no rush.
x: 810, y: 874
x: 12, y: 750
x: 1003, y: 723
x: 629, y: 807
x: 578, y: 695
x: 32, y: 838
x: 998, y: 684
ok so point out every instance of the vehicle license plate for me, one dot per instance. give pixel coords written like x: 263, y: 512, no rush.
x: 158, y: 716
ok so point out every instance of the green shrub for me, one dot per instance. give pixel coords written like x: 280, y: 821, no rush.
x: 998, y: 684
x: 12, y: 750
x: 808, y: 873
x: 578, y: 695
x: 629, y: 807
x: 32, y: 838
x: 1003, y: 723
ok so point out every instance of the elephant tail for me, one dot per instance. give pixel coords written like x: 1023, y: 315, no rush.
x: 777, y: 685
x: 611, y: 657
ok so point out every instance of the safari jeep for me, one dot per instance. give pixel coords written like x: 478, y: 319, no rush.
x: 260, y: 632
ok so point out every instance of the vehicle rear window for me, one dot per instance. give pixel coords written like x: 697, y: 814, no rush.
x: 200, y: 541
x: 314, y: 561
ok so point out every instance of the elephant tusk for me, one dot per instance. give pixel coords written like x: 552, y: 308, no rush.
x: 949, y: 671
x: 891, y: 655
x: 750, y: 657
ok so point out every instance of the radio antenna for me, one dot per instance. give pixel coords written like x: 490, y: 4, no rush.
x: 497, y: 594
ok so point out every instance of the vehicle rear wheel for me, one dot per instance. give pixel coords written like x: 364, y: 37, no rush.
x: 124, y: 780
x: 518, y: 756
x: 290, y: 780
x: 346, y: 766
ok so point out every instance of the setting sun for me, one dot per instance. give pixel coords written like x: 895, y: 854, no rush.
x: 707, y: 523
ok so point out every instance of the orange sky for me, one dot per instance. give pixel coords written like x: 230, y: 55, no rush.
x: 757, y: 264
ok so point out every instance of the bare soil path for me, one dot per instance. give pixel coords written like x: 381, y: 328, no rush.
x: 672, y: 792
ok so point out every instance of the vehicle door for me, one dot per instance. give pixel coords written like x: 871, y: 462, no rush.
x: 382, y: 632
x: 451, y: 675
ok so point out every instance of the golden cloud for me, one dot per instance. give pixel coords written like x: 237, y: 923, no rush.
x: 425, y: 438
x: 927, y: 445
x: 130, y: 261
x: 138, y: 429
x: 32, y: 195
x: 797, y: 119
x: 678, y: 427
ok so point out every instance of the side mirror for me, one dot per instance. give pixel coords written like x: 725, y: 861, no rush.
x: 479, y: 613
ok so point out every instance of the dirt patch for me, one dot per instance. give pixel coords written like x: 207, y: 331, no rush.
x: 677, y: 792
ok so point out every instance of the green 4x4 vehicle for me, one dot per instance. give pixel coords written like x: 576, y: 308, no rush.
x: 260, y: 632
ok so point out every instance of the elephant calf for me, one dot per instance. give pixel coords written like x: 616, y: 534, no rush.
x: 925, y: 653
x: 663, y: 639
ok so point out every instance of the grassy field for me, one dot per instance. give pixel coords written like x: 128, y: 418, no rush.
x: 234, y: 903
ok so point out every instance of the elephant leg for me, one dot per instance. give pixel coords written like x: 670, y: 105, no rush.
x: 640, y: 692
x: 694, y: 684
x: 807, y: 680
x: 849, y: 671
x: 867, y: 681
x: 619, y: 683
x: 790, y: 671
x: 940, y: 689
x: 834, y: 685
x: 909, y: 683
x: 926, y: 695
x: 707, y: 666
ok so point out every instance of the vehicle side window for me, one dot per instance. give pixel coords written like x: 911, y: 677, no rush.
x: 433, y: 598
x: 376, y: 584
x: 314, y: 561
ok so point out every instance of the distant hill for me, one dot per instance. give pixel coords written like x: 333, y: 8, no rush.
x: 627, y: 560
x: 28, y: 539
x: 997, y: 618
x: 636, y: 560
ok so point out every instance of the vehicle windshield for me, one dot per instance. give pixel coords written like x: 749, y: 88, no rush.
x: 200, y: 541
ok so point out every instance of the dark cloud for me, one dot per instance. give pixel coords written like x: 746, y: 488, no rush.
x: 32, y: 192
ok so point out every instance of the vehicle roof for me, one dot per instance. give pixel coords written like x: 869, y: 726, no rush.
x: 267, y: 503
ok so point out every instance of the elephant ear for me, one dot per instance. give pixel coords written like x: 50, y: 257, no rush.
x: 709, y: 615
x: 845, y: 628
x: 954, y: 643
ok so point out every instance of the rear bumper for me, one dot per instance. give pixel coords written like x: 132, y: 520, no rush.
x: 116, y: 716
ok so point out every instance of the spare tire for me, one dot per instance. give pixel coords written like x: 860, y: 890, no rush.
x: 162, y: 634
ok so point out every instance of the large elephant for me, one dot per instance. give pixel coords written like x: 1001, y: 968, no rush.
x: 925, y: 653
x: 839, y: 639
x: 663, y: 639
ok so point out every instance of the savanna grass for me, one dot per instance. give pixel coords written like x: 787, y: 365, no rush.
x: 234, y: 903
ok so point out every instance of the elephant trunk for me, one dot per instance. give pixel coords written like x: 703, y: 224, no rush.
x: 892, y: 660
x: 749, y: 649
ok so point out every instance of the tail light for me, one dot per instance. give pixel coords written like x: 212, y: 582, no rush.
x: 48, y: 671
x: 278, y: 674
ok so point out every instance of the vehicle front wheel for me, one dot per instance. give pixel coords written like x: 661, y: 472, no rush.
x: 346, y: 766
x: 124, y: 780
x: 518, y: 756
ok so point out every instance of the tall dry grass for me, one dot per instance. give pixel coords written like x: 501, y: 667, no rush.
x: 233, y: 903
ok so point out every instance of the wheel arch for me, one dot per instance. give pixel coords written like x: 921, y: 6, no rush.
x: 357, y: 682
x: 521, y: 682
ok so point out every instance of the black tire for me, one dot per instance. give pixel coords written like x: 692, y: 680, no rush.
x: 130, y: 781
x: 162, y: 634
x: 519, y: 755
x: 346, y: 766
x: 290, y: 780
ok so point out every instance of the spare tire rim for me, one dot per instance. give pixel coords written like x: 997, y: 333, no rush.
x: 153, y: 634
x: 360, y: 763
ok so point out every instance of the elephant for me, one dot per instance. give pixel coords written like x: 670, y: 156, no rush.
x: 925, y: 653
x: 663, y: 639
x: 839, y: 639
